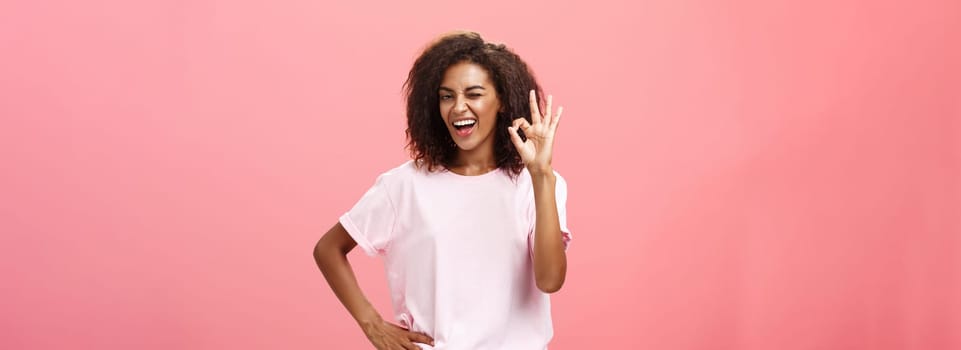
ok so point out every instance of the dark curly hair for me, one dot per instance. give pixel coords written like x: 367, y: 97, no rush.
x: 428, y: 140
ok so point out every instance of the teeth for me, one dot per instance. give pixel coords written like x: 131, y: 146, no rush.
x: 464, y: 122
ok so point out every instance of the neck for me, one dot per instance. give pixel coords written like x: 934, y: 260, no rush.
x: 475, y: 162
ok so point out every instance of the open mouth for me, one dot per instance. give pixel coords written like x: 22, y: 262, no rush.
x: 465, y: 127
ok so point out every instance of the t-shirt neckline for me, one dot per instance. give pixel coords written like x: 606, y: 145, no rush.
x: 481, y: 176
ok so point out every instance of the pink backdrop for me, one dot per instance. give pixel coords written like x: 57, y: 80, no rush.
x: 743, y: 174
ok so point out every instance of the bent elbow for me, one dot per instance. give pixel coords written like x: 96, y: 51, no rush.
x: 550, y: 286
x: 319, y: 249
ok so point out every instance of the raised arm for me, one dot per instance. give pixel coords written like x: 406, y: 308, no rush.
x: 550, y: 259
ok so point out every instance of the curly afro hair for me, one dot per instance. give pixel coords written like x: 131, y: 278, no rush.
x: 429, y: 142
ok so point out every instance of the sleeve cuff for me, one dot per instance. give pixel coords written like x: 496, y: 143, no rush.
x: 565, y: 237
x: 356, y: 234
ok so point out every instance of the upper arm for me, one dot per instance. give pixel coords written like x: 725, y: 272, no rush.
x: 337, y: 238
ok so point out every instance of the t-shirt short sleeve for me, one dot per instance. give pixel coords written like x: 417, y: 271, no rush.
x: 561, y: 197
x: 371, y: 221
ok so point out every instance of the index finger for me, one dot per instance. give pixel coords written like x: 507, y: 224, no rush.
x: 420, y: 338
x: 535, y: 110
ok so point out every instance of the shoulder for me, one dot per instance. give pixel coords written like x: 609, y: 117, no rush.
x: 404, y: 169
x: 401, y: 174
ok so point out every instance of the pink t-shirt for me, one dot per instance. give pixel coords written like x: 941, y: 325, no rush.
x: 457, y: 251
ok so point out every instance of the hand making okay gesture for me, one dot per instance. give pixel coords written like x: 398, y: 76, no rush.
x: 536, y: 151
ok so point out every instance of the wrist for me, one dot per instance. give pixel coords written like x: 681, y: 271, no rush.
x: 368, y: 318
x: 540, y: 170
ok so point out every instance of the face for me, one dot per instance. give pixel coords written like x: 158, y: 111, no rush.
x: 469, y: 106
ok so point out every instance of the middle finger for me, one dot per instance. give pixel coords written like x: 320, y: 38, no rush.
x: 548, y: 110
x: 535, y: 109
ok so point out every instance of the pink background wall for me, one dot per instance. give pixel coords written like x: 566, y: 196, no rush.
x: 743, y: 175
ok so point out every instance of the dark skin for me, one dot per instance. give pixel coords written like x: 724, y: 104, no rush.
x: 466, y: 92
x: 331, y: 256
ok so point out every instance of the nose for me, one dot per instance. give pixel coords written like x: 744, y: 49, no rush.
x: 460, y: 105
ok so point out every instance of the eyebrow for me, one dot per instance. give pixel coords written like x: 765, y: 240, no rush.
x: 444, y: 88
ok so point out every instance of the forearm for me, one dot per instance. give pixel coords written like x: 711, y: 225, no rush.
x: 337, y: 271
x: 550, y: 259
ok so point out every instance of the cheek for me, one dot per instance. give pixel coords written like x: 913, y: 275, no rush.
x: 487, y: 110
x: 444, y: 110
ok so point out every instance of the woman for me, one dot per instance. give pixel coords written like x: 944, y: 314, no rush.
x: 472, y: 230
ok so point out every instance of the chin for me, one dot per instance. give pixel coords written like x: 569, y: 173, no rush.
x: 466, y: 146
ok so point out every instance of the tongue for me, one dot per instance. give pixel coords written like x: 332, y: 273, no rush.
x: 464, y: 131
